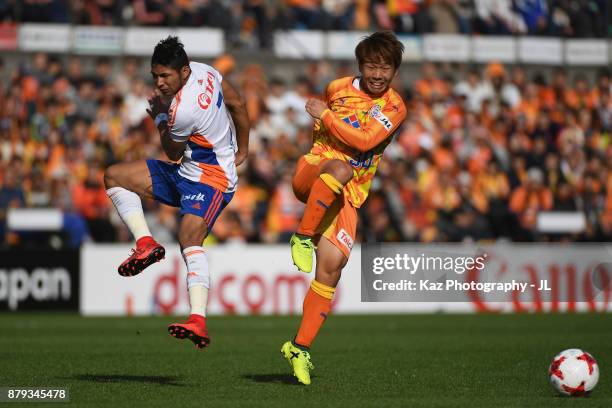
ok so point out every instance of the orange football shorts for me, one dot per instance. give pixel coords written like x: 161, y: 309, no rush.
x: 339, y: 226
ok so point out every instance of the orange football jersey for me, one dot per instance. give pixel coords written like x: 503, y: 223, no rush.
x: 356, y: 129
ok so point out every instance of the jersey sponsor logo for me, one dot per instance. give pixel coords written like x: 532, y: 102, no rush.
x: 193, y: 197
x: 352, y: 120
x: 362, y: 159
x: 377, y: 114
x: 345, y: 238
x: 205, y: 98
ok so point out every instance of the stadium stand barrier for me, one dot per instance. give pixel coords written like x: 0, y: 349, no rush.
x: 311, y: 44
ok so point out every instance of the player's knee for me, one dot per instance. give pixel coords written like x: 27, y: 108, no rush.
x: 192, y: 231
x: 341, y: 171
x: 110, y: 177
x: 329, y: 276
x: 192, y: 238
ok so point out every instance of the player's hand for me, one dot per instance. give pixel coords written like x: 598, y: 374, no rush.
x: 241, y: 156
x: 157, y: 105
x: 315, y: 107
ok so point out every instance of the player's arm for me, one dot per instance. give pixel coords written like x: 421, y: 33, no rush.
x: 237, y: 109
x: 363, y: 139
x: 174, y: 150
x: 173, y: 136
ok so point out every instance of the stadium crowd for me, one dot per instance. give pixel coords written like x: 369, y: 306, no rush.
x: 484, y: 149
x: 250, y: 23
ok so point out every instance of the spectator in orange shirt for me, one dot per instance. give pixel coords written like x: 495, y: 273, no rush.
x: 493, y: 183
x: 91, y: 202
x: 529, y: 106
x: 579, y: 96
x: 246, y: 207
x: 480, y: 156
x: 546, y: 93
x: 284, y: 213
x: 444, y: 195
x: 530, y: 198
x: 430, y: 85
x: 443, y: 157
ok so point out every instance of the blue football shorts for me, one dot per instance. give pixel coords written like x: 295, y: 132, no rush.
x: 191, y: 197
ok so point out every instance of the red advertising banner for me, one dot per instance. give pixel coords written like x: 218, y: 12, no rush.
x: 8, y: 36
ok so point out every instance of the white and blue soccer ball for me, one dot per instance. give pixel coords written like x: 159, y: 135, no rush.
x: 574, y: 372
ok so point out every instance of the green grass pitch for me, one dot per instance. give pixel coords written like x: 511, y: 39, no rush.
x: 361, y: 361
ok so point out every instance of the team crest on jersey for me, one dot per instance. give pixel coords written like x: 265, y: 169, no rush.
x: 352, y: 120
x: 376, y: 113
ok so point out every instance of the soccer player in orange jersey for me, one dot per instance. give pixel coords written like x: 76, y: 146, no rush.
x: 353, y: 126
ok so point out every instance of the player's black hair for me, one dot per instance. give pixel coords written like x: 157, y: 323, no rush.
x: 380, y: 46
x: 170, y: 52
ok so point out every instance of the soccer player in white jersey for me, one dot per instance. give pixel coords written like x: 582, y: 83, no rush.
x: 203, y: 125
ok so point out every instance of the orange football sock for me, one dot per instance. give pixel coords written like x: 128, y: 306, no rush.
x: 317, y: 305
x: 322, y: 194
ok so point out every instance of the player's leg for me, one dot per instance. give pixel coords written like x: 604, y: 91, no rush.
x: 193, y: 230
x: 323, y: 190
x: 125, y: 184
x: 306, y: 174
x: 317, y: 303
x: 316, y: 308
x: 334, y: 175
x: 201, y: 205
x: 333, y: 250
x: 134, y: 177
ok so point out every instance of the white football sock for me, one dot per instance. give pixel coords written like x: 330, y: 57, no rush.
x: 198, y: 278
x: 129, y: 207
x: 198, y: 296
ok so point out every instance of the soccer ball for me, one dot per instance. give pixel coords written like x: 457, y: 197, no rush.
x: 573, y: 372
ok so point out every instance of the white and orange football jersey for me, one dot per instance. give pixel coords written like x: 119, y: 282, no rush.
x: 199, y: 117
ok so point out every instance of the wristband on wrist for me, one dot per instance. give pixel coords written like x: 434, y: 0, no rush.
x: 161, y: 117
